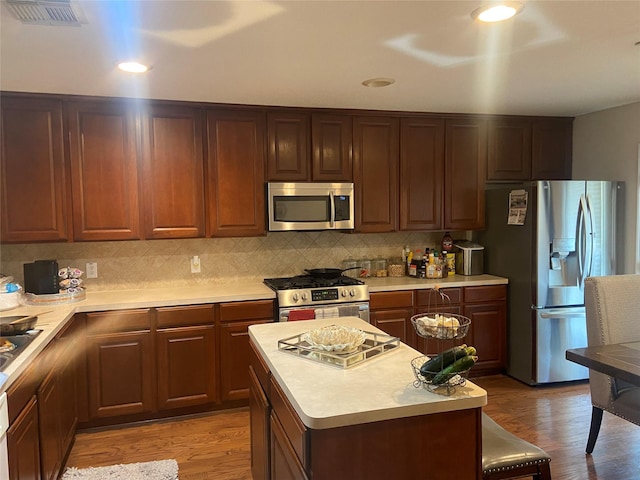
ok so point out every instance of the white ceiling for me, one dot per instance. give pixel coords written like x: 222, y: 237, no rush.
x: 555, y: 58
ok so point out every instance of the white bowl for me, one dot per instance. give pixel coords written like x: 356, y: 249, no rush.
x: 9, y: 300
x: 335, y: 338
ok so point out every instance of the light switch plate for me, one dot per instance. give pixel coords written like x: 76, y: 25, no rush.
x: 195, y: 264
x: 92, y: 270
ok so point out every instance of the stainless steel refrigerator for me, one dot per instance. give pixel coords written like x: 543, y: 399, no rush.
x: 562, y: 233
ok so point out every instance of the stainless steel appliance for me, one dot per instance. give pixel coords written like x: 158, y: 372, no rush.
x: 310, y: 206
x: 306, y: 297
x: 469, y: 258
x: 41, y: 277
x: 19, y: 343
x: 567, y: 234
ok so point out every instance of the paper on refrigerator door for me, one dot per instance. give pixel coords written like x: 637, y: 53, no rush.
x: 517, y: 207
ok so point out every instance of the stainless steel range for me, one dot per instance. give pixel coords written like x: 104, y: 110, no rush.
x: 306, y: 297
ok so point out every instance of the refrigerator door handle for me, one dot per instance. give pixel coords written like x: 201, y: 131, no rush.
x: 589, y: 237
x: 562, y: 314
x: 584, y: 243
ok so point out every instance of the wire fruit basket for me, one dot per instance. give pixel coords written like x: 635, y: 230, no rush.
x: 436, y: 381
x: 442, y: 326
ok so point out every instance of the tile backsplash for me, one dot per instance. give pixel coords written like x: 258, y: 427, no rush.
x: 164, y: 263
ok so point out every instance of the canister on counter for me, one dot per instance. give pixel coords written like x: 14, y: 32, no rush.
x: 350, y: 262
x: 365, y: 267
x: 396, y: 267
x: 379, y: 267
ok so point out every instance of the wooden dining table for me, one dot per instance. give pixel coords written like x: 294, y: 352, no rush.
x: 620, y: 360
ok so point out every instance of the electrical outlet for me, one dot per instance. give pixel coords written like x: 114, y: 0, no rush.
x: 92, y: 270
x: 195, y: 264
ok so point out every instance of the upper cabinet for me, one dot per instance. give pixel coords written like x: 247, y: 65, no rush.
x: 104, y: 170
x: 375, y: 173
x: 305, y: 147
x: 552, y: 142
x: 173, y: 172
x: 421, y: 173
x: 465, y: 163
x: 34, y: 201
x: 527, y: 148
x: 235, y: 146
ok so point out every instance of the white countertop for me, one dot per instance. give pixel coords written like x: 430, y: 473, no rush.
x: 325, y: 396
x: 52, y: 318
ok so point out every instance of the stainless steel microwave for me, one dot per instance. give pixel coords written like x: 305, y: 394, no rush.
x: 310, y: 206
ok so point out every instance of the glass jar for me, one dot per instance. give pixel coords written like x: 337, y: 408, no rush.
x: 395, y: 267
x: 350, y: 263
x: 379, y: 267
x: 365, y: 267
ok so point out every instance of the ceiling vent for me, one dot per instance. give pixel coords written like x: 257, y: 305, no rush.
x: 46, y: 12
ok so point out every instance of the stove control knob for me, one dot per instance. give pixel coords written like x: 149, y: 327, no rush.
x: 304, y: 296
x: 343, y: 292
x: 295, y: 297
x: 352, y: 292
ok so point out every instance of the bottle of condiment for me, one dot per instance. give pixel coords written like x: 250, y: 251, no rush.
x: 447, y: 243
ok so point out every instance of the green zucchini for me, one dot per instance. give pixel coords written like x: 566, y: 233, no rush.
x: 442, y: 361
x: 460, y: 365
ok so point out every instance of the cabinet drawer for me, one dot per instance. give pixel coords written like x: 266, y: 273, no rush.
x: 486, y: 293
x: 391, y: 299
x: 185, y: 316
x: 261, y: 309
x: 291, y: 423
x: 430, y: 298
x: 118, y: 321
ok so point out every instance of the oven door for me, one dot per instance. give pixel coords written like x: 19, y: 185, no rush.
x: 356, y: 309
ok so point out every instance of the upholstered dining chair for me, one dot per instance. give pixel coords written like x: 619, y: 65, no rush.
x: 613, y: 316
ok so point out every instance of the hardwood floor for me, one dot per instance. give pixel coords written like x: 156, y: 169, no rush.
x: 216, y: 446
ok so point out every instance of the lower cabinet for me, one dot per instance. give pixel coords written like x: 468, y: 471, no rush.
x: 284, y: 463
x: 259, y: 413
x: 391, y: 312
x: 24, y: 445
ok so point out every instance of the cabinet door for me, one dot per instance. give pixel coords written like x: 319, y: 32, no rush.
x: 186, y: 366
x: 173, y: 172
x: 50, y: 436
x: 421, y: 173
x: 284, y: 461
x: 235, y: 173
x: 488, y: 335
x: 33, y: 181
x: 395, y: 322
x: 552, y: 149
x: 104, y: 178
x: 122, y: 376
x: 23, y: 444
x: 68, y: 400
x: 288, y: 155
x: 259, y: 412
x: 465, y: 164
x: 331, y: 137
x: 509, y: 149
x: 375, y: 173
x: 234, y: 359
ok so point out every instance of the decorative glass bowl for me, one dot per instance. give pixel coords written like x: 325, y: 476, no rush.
x: 335, y: 338
x: 441, y: 325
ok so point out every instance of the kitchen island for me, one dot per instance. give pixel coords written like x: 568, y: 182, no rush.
x: 313, y: 420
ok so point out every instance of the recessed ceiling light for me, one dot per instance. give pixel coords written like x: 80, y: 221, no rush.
x: 132, y: 67
x: 497, y: 12
x: 378, y: 82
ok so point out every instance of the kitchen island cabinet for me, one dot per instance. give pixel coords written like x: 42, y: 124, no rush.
x: 342, y: 427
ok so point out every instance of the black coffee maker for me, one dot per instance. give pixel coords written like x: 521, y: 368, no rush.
x: 41, y: 277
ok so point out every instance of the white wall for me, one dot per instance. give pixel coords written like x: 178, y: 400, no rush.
x: 606, y: 146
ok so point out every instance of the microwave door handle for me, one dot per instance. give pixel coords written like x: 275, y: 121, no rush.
x: 332, y: 220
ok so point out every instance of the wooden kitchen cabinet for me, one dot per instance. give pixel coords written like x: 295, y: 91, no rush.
x: 552, y: 149
x: 421, y: 173
x: 284, y: 463
x: 173, y: 172
x: 57, y: 404
x: 509, y: 149
x: 121, y: 363
x: 236, y: 172
x: 23, y: 444
x: 186, y: 357
x: 391, y: 312
x: 464, y: 178
x: 34, y: 181
x: 288, y: 157
x: 331, y: 147
x: 104, y: 170
x: 375, y: 173
x: 486, y: 306
x: 235, y: 319
x: 259, y: 414
x: 529, y: 148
